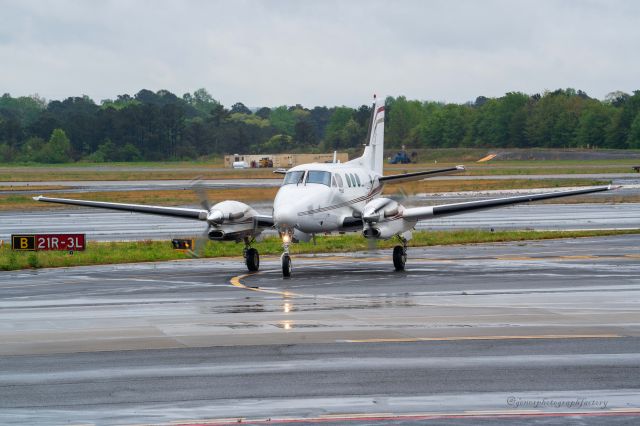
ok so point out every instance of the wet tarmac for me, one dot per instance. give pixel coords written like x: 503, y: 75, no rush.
x: 528, y: 332
x: 104, y: 225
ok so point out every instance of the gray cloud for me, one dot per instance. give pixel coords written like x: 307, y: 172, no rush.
x: 317, y: 52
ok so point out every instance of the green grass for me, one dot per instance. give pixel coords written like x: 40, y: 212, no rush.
x: 150, y: 251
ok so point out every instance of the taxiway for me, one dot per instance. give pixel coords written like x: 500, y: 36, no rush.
x: 473, y: 331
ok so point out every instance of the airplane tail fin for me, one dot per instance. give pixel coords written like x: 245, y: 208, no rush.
x: 374, y: 151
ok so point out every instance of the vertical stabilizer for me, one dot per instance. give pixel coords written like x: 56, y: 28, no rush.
x: 373, y: 156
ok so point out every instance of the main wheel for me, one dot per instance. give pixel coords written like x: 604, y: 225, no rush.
x: 252, y: 259
x: 399, y: 258
x: 286, y: 266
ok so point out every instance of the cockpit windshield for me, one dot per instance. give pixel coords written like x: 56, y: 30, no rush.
x: 316, y: 176
x: 293, y: 177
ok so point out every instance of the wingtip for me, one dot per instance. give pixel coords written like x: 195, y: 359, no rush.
x: 460, y: 167
x: 37, y: 198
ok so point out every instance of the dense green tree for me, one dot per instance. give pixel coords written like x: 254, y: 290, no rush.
x: 592, y: 125
x: 57, y: 150
x: 403, y: 117
x: 239, y: 107
x: 283, y: 120
x: 634, y: 133
x: 264, y: 112
x: 304, y: 134
x: 161, y: 126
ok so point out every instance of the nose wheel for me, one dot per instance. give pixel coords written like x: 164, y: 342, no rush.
x: 286, y: 265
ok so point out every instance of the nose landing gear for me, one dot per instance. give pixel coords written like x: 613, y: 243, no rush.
x: 285, y: 259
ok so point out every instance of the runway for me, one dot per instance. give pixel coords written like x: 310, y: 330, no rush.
x: 104, y: 225
x: 479, y: 334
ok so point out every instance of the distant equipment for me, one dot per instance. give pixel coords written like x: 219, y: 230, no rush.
x: 401, y: 157
x: 182, y: 243
x: 240, y: 165
x: 487, y: 158
x: 282, y: 160
x: 48, y: 242
x: 636, y: 168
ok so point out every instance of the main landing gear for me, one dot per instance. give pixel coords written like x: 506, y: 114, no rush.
x: 251, y: 256
x: 400, y: 254
x: 285, y: 259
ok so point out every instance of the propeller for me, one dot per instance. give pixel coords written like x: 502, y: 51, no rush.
x: 400, y: 196
x: 371, y: 216
x: 215, y: 216
x: 199, y: 188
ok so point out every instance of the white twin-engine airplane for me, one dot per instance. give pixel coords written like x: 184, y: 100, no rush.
x: 324, y: 198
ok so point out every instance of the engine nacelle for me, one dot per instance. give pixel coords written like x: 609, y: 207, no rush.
x: 379, y: 209
x: 232, y: 221
x: 382, y: 219
x: 387, y: 229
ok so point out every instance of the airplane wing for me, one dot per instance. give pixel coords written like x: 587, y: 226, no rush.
x: 196, y: 214
x: 421, y: 213
x: 263, y: 221
x: 407, y: 177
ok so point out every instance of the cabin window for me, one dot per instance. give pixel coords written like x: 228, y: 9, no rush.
x: 346, y: 176
x: 293, y: 178
x: 315, y: 176
x: 339, y: 180
x: 358, y: 180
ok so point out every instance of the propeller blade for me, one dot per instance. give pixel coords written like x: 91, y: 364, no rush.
x: 400, y: 195
x: 200, y: 190
x: 201, y: 241
x: 372, y: 244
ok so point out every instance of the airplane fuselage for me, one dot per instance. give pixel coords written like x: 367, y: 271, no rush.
x: 320, y: 197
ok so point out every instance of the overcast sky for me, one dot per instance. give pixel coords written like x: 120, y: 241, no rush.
x: 318, y: 52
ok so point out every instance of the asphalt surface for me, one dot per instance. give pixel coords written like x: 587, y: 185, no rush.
x: 533, y: 332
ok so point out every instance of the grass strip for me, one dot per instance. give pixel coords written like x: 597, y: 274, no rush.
x: 98, y: 253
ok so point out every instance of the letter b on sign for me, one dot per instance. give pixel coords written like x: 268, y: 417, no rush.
x: 23, y: 242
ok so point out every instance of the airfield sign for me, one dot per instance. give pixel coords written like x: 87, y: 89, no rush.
x: 46, y: 242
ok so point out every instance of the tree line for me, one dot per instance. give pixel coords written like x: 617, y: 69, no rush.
x: 154, y: 126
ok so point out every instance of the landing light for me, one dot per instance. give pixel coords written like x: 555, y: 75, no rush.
x: 286, y: 238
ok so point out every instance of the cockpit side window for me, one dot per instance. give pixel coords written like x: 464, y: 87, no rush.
x: 316, y: 176
x: 293, y: 178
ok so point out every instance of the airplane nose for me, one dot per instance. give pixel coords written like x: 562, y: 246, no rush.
x: 285, y: 217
